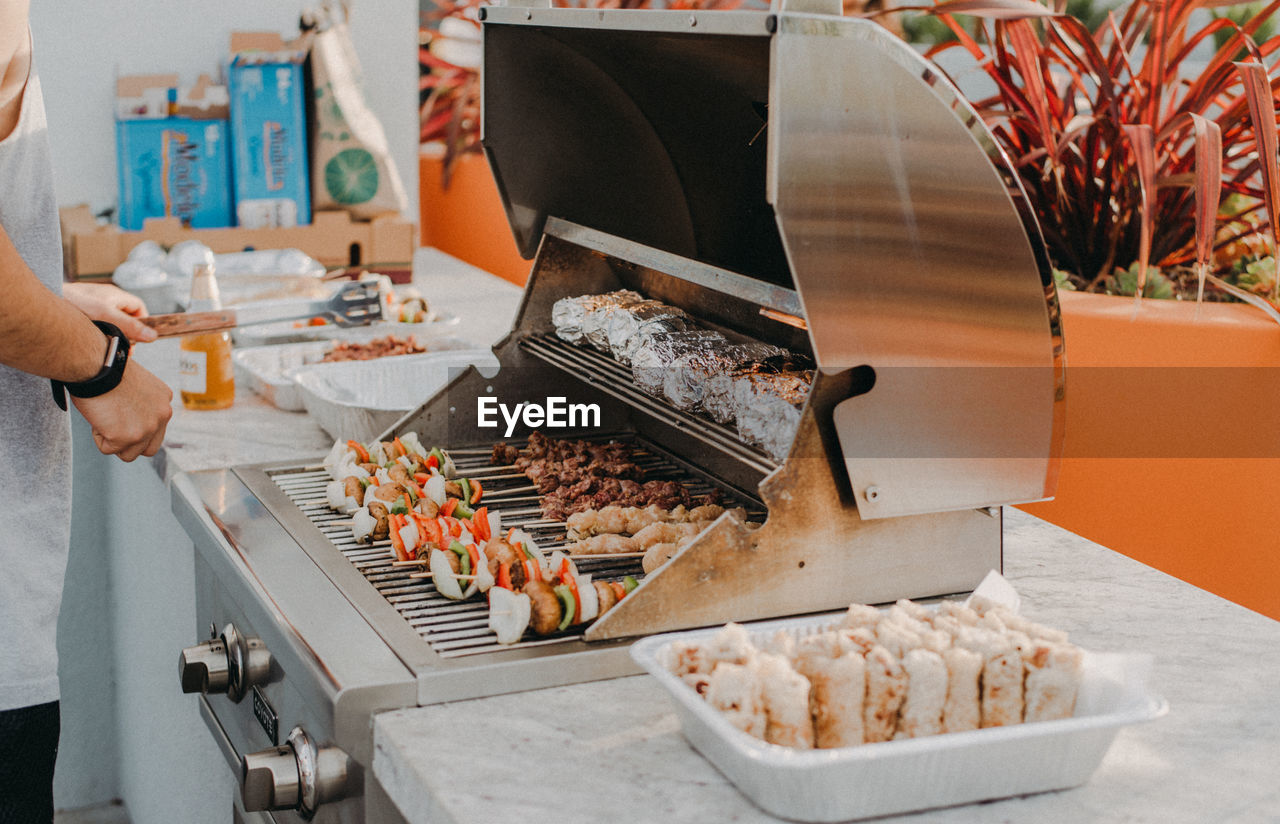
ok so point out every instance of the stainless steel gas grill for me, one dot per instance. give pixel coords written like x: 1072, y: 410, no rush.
x: 788, y: 177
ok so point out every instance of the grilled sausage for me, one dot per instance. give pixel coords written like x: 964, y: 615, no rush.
x: 354, y: 489
x: 608, y: 598
x: 382, y: 529
x: 545, y: 613
x: 388, y: 492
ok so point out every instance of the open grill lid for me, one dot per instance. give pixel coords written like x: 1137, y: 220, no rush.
x: 819, y: 154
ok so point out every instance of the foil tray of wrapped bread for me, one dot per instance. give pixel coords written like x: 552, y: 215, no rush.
x: 881, y: 711
x: 757, y: 387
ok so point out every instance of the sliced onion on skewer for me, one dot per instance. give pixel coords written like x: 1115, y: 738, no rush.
x: 509, y: 614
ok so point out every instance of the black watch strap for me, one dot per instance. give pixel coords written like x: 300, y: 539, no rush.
x: 108, y: 377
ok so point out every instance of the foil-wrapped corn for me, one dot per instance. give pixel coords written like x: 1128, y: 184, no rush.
x: 574, y: 317
x: 626, y: 328
x: 768, y: 408
x: 688, y: 385
x: 662, y: 352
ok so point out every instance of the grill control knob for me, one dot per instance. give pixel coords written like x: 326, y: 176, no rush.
x: 204, y: 667
x: 231, y: 664
x: 298, y: 776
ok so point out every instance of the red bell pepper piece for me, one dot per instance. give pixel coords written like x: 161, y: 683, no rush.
x: 421, y: 477
x: 474, y: 554
x: 481, y: 521
x: 361, y: 452
x: 449, y: 506
x: 397, y: 543
x: 476, y: 492
x: 532, y: 571
x: 430, y: 529
x: 433, y: 462
x: 504, y: 576
x: 399, y: 447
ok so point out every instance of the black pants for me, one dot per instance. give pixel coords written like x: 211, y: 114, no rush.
x: 28, y: 749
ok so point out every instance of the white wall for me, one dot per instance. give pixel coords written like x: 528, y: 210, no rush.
x: 82, y: 45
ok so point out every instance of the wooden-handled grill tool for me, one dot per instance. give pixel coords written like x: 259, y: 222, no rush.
x: 354, y: 304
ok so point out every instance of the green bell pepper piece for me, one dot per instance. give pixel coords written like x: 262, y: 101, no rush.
x: 464, y: 558
x: 566, y: 600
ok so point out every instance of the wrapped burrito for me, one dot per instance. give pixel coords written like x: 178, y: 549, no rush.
x: 626, y: 328
x: 768, y: 408
x: 704, y: 384
x: 570, y: 315
x: 664, y: 351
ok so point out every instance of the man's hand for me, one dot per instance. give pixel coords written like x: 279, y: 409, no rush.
x: 102, y: 301
x: 129, y: 420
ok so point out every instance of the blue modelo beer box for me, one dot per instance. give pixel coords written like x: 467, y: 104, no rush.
x: 173, y: 152
x: 268, y: 132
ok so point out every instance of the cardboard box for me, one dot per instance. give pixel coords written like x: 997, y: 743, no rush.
x: 175, y: 165
x: 268, y: 131
x: 384, y: 244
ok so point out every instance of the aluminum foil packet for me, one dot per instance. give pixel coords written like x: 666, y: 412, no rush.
x: 595, y: 321
x: 569, y: 316
x: 626, y: 328
x: 664, y: 351
x: 768, y: 407
x: 690, y: 383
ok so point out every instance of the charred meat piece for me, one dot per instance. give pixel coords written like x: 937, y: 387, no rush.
x: 504, y: 454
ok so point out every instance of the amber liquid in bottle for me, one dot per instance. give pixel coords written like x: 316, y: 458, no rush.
x: 204, y: 362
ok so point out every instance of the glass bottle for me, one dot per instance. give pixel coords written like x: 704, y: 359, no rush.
x: 204, y: 361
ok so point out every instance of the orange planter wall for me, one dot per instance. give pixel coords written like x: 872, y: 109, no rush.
x: 467, y: 219
x: 1164, y: 415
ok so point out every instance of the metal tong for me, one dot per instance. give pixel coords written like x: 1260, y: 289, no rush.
x: 355, y: 304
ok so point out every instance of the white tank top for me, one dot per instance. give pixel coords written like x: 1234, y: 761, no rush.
x: 35, y: 436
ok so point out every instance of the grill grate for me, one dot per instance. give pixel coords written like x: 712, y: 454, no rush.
x: 460, y: 628
x: 612, y: 378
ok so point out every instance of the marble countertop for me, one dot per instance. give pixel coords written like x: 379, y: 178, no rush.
x: 566, y: 754
x: 254, y: 431
x: 569, y: 754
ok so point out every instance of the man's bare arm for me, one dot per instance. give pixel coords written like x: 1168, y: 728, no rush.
x: 40, y: 332
x: 45, y: 335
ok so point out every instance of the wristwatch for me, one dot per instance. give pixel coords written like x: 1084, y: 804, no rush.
x: 108, y: 377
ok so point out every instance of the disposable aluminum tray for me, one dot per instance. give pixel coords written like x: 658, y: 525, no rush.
x: 912, y: 774
x: 361, y: 399
x: 269, y: 370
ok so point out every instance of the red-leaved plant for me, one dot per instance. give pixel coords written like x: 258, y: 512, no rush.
x: 1117, y: 133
